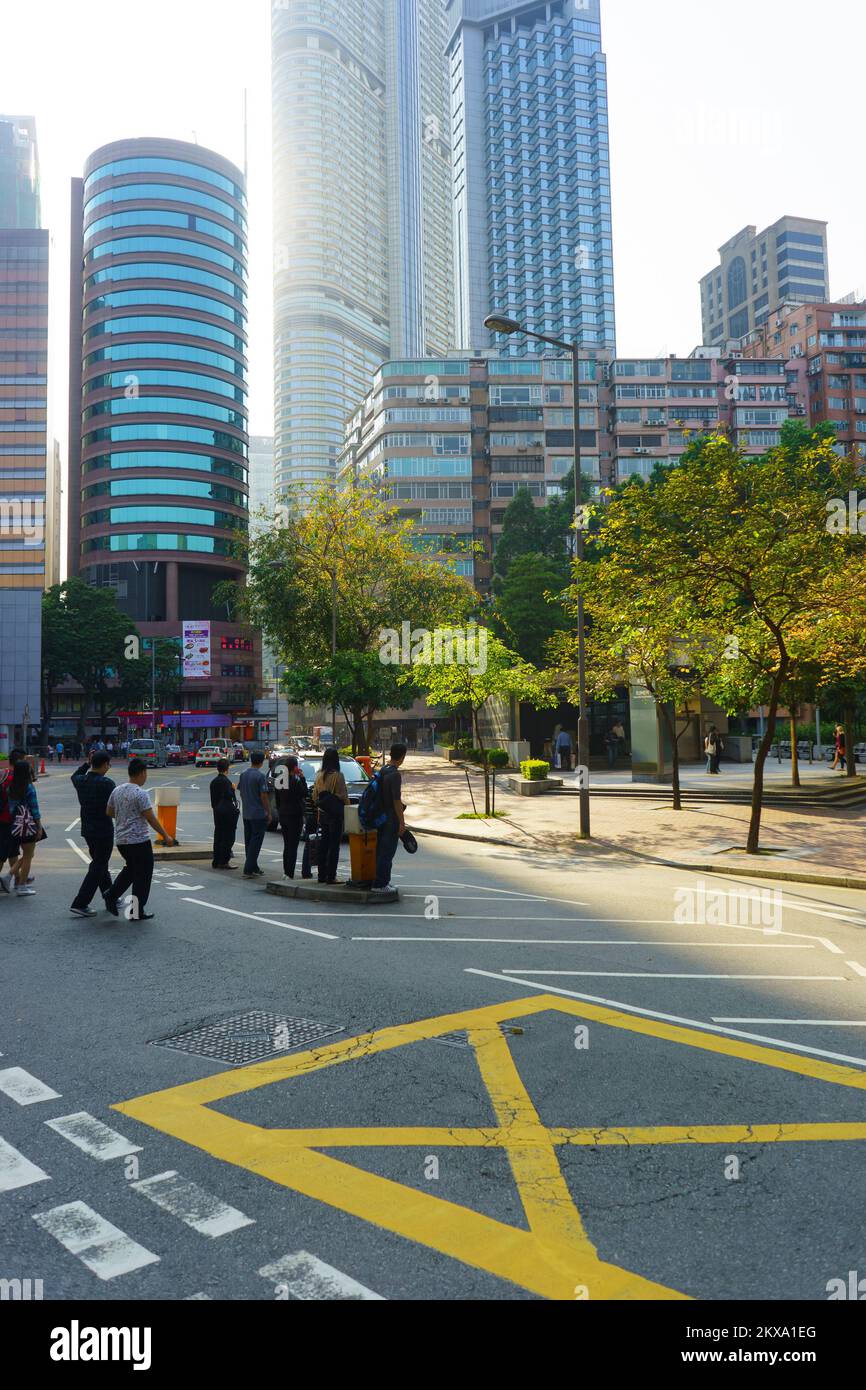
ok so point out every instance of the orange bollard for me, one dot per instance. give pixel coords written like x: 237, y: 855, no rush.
x: 42, y: 769
x: 168, y: 820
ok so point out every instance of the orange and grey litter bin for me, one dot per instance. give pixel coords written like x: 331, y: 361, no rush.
x: 167, y: 802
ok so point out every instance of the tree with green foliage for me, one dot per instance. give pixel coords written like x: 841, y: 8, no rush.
x: 530, y: 607
x: 337, y: 571
x: 459, y: 686
x: 743, y: 545
x: 85, y: 638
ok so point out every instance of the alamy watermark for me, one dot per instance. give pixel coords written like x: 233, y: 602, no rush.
x: 23, y: 517
x: 714, y: 907
x: 447, y: 646
x: 846, y: 518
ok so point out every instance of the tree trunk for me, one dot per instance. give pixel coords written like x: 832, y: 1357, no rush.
x: 675, y: 756
x: 485, y: 769
x: 753, y: 842
x: 795, y: 754
x: 850, y: 761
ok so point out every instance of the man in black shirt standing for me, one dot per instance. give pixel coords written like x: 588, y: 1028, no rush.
x: 94, y: 788
x: 395, y: 826
x: 224, y: 804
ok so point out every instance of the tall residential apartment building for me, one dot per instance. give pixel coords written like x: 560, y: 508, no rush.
x: 823, y: 350
x: 759, y: 270
x: 362, y: 211
x: 531, y: 171
x: 23, y: 426
x: 453, y: 440
x: 158, y: 456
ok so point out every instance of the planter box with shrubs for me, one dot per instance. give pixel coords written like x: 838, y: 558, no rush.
x: 534, y: 770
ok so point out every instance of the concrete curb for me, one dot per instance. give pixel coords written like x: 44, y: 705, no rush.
x: 329, y: 893
x: 195, y: 850
x: 729, y: 870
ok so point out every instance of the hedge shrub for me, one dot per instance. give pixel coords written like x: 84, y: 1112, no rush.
x: 534, y: 770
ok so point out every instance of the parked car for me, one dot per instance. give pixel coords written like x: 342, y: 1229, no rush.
x: 213, y: 751
x: 150, y: 750
x: 174, y: 754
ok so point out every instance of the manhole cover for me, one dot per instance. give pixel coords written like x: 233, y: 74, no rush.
x: 249, y: 1037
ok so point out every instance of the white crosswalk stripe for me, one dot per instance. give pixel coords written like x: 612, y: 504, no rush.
x: 104, y: 1249
x: 208, y: 1215
x: 92, y: 1136
x: 16, y: 1170
x: 23, y: 1088
x: 305, y: 1277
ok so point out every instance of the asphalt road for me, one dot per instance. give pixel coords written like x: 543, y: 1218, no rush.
x: 680, y: 1113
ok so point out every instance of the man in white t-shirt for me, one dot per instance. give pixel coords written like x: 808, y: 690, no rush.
x: 130, y: 809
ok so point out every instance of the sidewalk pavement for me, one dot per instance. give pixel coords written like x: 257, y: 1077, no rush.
x: 810, y: 843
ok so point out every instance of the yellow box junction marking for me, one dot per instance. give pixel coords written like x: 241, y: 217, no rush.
x: 554, y: 1257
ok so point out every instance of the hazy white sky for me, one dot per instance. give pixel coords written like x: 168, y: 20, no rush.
x: 720, y: 116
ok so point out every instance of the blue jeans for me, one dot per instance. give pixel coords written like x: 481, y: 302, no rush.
x: 254, y: 838
x: 388, y: 837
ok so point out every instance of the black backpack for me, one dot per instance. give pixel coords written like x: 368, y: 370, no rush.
x: 371, y: 807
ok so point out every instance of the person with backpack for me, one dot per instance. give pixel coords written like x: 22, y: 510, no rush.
x: 291, y: 792
x: 94, y: 787
x: 7, y: 849
x: 330, y: 797
x: 226, y: 812
x: 25, y: 827
x: 381, y: 809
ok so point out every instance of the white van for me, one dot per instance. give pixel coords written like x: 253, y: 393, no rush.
x: 150, y: 750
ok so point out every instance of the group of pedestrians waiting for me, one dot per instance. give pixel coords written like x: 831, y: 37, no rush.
x: 316, y: 813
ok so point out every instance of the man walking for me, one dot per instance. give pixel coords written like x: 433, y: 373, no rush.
x: 94, y: 788
x: 59, y: 751
x: 224, y: 804
x: 562, y: 746
x: 395, y: 825
x: 256, y: 808
x: 130, y: 808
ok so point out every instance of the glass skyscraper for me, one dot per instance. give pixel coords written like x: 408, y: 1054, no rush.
x: 362, y: 210
x: 531, y: 171
x: 23, y: 426
x: 158, y: 396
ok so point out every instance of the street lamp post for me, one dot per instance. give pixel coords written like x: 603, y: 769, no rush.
x: 499, y: 323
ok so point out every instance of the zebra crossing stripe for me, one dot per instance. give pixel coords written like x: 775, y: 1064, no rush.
x: 16, y: 1170
x: 191, y: 1204
x: 23, y: 1088
x: 92, y: 1136
x: 104, y: 1249
x: 308, y: 1278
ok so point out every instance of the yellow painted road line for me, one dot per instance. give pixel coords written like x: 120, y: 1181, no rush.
x: 555, y: 1257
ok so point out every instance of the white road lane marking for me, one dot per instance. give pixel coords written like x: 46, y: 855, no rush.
x: 72, y: 826
x: 508, y: 893
x: 24, y: 1089
x: 184, y: 887
x: 80, y: 852
x: 659, y: 975
x: 104, y: 1249
x: 198, y: 1298
x: 253, y: 917
x: 308, y: 1278
x: 16, y: 1170
x: 855, y: 966
x: 195, y: 1207
x: 92, y: 1136
x: 801, y: 1022
x: 651, y: 945
x: 784, y: 1043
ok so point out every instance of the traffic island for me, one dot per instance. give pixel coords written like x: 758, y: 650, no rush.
x: 330, y: 892
x: 195, y: 849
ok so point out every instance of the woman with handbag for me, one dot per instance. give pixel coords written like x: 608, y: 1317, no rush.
x: 331, y: 797
x: 224, y: 804
x: 25, y: 829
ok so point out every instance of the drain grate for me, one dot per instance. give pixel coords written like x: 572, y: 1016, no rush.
x: 251, y: 1037
x: 462, y: 1039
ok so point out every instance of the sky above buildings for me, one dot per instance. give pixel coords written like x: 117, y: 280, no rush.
x: 718, y: 118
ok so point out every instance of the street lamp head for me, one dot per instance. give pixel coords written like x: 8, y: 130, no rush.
x: 498, y: 323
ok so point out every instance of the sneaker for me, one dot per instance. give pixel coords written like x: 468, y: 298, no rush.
x: 144, y: 917
x: 25, y: 892
x: 259, y: 873
x: 6, y: 882
x: 83, y: 912
x: 389, y: 888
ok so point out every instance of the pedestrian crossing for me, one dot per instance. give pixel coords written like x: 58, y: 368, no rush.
x: 110, y: 1253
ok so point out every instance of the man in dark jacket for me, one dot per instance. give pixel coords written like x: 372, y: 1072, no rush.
x: 291, y: 789
x: 94, y: 788
x: 224, y: 804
